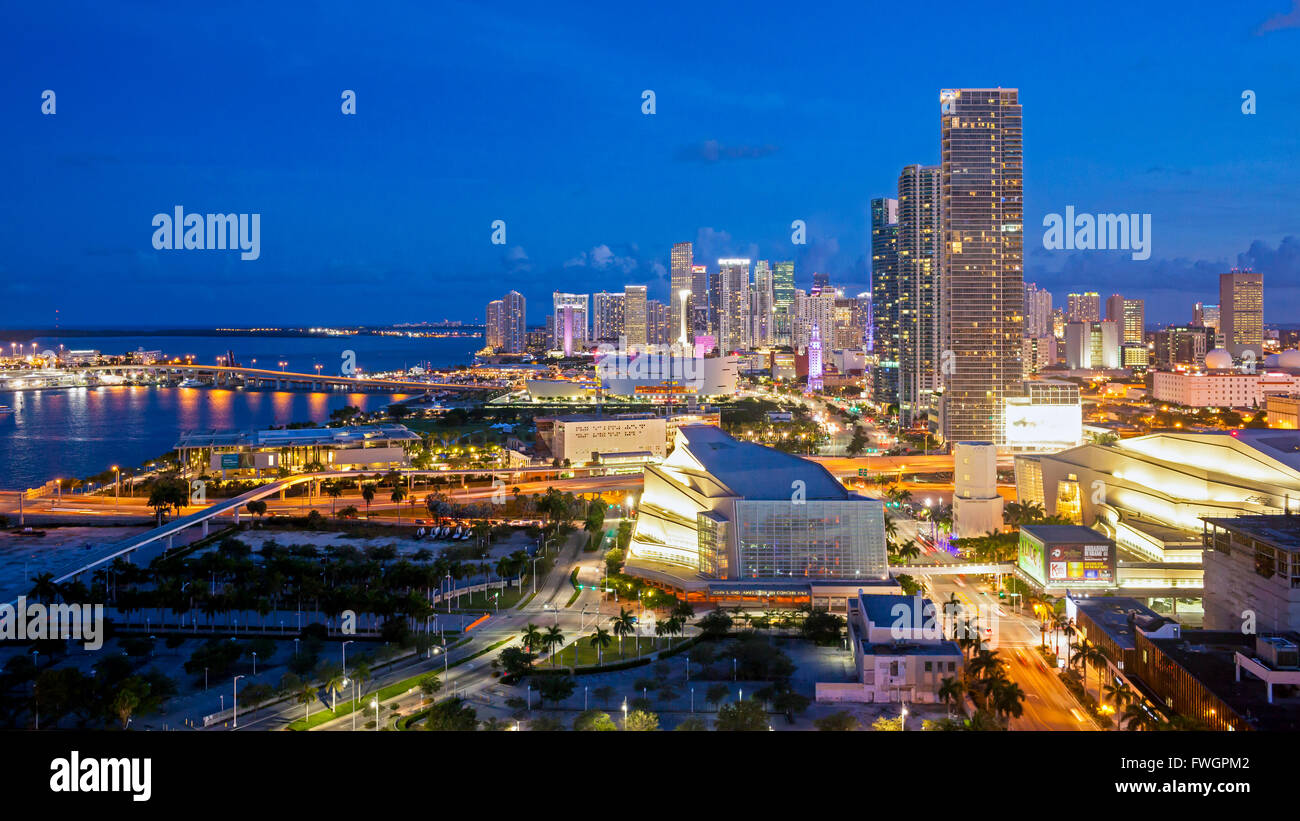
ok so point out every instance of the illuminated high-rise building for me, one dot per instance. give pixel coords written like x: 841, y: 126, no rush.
x: 916, y: 307
x: 1083, y: 307
x: 699, y: 324
x: 815, y: 360
x: 608, y: 317
x: 514, y: 323
x: 1241, y: 312
x: 577, y: 313
x: 635, y: 317
x: 884, y: 298
x: 762, y: 315
x: 1038, y: 311
x: 681, y: 278
x: 783, y: 302
x: 733, y: 307
x: 493, y: 331
x: 983, y: 289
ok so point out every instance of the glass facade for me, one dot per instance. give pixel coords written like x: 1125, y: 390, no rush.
x: 816, y: 540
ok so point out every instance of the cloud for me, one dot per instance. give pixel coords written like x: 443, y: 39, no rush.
x: 516, y: 260
x: 712, y: 151
x: 1278, y: 22
x: 603, y: 258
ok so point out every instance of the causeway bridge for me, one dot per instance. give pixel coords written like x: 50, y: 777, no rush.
x: 230, y: 376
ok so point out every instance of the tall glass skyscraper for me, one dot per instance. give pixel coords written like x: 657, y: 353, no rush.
x: 983, y: 287
x: 783, y: 302
x: 733, y: 311
x: 884, y: 296
x: 681, y: 278
x: 1241, y: 312
x: 635, y: 316
x: 917, y: 306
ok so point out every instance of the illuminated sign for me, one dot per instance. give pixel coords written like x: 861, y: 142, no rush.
x: 1043, y: 426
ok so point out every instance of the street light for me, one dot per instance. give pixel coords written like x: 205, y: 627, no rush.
x: 345, y: 656
x: 117, y: 486
x: 234, y: 700
x: 374, y: 702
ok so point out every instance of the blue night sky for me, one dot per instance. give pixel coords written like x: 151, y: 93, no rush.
x: 531, y: 113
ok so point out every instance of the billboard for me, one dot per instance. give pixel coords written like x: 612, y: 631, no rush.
x: 1081, y: 563
x: 230, y: 461
x: 1043, y: 427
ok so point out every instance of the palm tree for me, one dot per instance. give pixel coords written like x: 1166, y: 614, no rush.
x: 399, y: 493
x: 1086, y: 653
x: 600, y: 641
x: 1136, y: 717
x: 334, y: 686
x: 333, y: 490
x: 953, y: 693
x: 554, y: 638
x: 624, y: 624
x: 1121, y: 695
x: 368, y: 493
x: 305, y: 697
x: 361, y: 674
x: 908, y: 551
x: 1007, y: 698
x: 532, y: 637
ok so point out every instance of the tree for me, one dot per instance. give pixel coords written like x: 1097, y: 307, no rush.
x: 545, y: 724
x: 168, y: 492
x: 555, y: 688
x: 257, y: 508
x: 451, y: 715
x: 368, y: 494
x: 953, y: 693
x: 842, y: 721
x: 742, y: 716
x: 715, y: 623
x: 888, y: 724
x: 1137, y: 717
x: 641, y: 721
x: 334, y: 686
x: 1121, y: 695
x: 716, y: 693
x: 693, y: 724
x: 532, y: 637
x: 429, y: 685
x: 600, y: 640
x: 554, y: 639
x: 624, y: 624
x: 859, y: 441
x: 398, y: 494
x: 124, y: 704
x: 306, y: 695
x: 822, y: 627
x: 603, y: 694
x: 333, y: 490
x: 594, y: 721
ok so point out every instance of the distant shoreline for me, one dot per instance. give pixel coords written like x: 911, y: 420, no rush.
x: 39, y: 333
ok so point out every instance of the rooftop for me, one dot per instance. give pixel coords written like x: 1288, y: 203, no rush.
x: 1209, y: 656
x: 1111, y: 615
x: 1064, y: 534
x: 1279, y: 530
x: 754, y: 471
x: 297, y: 437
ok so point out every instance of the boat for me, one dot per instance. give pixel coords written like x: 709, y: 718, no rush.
x: 5, y: 410
x: 191, y: 383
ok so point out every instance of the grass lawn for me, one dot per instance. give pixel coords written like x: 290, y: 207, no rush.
x: 485, y: 601
x: 397, y: 688
x: 587, y: 656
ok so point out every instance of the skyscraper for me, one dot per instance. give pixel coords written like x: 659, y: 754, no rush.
x: 916, y: 309
x: 733, y: 309
x: 1241, y: 312
x: 1083, y: 307
x: 815, y: 359
x: 608, y: 317
x: 821, y: 282
x: 579, y: 303
x: 493, y: 333
x: 1038, y: 311
x: 983, y: 259
x: 1132, y: 322
x: 682, y: 278
x: 514, y: 323
x: 635, y: 317
x: 762, y: 315
x: 884, y: 298
x: 658, y: 331
x: 699, y: 300
x: 783, y: 302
